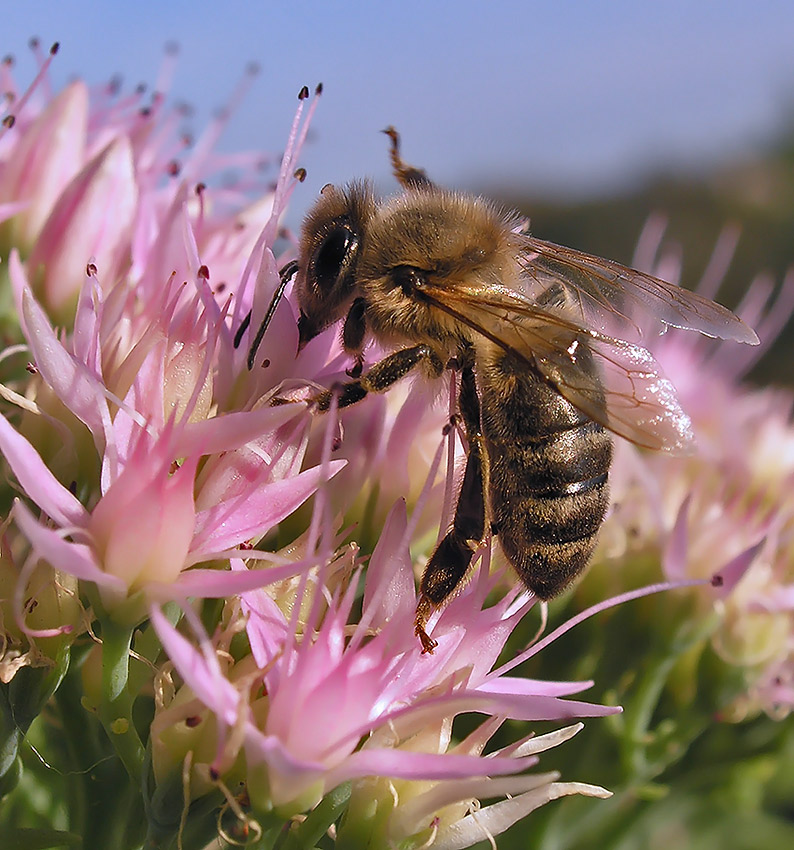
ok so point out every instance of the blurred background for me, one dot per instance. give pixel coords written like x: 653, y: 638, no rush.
x: 586, y: 116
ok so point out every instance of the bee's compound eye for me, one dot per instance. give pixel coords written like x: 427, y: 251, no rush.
x: 333, y: 256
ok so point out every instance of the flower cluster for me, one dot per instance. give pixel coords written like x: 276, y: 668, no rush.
x: 159, y: 507
x: 730, y: 503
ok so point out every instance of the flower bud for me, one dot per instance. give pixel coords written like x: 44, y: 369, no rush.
x: 49, y: 152
x: 92, y: 221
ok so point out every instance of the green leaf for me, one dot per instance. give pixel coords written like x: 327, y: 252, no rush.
x: 39, y: 839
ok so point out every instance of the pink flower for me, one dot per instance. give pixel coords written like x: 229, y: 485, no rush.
x: 174, y: 479
x: 345, y: 700
x: 730, y: 504
x: 39, y: 166
x: 91, y: 221
x: 149, y: 462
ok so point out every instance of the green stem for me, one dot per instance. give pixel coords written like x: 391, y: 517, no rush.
x: 115, y: 710
x: 327, y: 811
x: 640, y: 711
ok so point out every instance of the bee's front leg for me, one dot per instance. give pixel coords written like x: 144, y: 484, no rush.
x: 380, y: 377
x: 354, y: 335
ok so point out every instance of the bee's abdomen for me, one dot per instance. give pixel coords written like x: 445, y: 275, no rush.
x: 548, y: 470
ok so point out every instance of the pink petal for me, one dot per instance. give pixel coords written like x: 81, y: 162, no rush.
x: 404, y: 764
x: 674, y: 560
x: 531, y: 687
x: 267, y: 628
x: 82, y: 392
x: 231, y: 430
x: 92, y: 219
x: 253, y: 513
x: 37, y: 480
x: 77, y: 559
x: 780, y: 599
x: 390, y: 591
x: 143, y: 525
x: 726, y: 578
x: 217, y: 584
x: 203, y: 677
x: 46, y: 158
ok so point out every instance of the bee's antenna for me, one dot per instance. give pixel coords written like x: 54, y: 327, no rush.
x: 285, y: 275
x: 407, y: 175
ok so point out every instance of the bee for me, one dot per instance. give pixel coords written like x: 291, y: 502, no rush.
x: 548, y: 344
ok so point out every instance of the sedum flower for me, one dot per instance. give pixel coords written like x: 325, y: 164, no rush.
x: 41, y: 162
x: 731, y: 501
x: 156, y: 475
x: 212, y: 543
x: 349, y: 700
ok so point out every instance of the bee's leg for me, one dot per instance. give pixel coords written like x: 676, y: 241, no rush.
x: 451, y: 561
x: 380, y: 377
x: 354, y: 335
x: 407, y: 175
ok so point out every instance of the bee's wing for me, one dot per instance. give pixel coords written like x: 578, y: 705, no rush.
x: 614, y: 382
x: 620, y: 301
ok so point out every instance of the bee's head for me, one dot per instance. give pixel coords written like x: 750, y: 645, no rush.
x: 331, y: 240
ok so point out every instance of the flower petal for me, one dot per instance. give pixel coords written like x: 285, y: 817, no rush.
x: 253, y: 513
x: 77, y: 559
x: 495, y: 819
x: 82, y: 392
x: 37, y: 480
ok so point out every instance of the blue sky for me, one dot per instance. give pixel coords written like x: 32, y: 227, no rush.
x: 570, y: 96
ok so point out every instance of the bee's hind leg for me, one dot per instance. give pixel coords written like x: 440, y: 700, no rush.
x: 450, y: 563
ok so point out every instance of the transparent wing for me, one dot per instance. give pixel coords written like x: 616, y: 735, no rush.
x: 620, y: 301
x: 613, y: 381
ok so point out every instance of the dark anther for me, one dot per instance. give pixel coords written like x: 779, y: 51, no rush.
x: 303, y: 93
x: 453, y: 421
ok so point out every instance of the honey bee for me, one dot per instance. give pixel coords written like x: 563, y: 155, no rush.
x: 548, y: 344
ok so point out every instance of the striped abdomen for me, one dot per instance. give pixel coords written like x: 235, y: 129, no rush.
x: 548, y: 465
